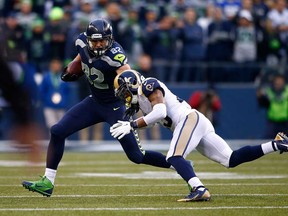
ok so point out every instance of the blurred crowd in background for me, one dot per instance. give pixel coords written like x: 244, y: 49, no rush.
x: 182, y: 40
x: 177, y: 41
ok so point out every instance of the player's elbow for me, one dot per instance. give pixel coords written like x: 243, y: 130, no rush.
x: 158, y: 113
x: 162, y: 115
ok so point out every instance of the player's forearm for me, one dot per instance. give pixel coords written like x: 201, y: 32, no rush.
x: 158, y: 113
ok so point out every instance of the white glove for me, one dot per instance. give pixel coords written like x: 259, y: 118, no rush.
x: 120, y: 129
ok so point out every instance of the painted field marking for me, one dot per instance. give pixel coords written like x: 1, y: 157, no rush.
x: 144, y: 209
x: 134, y: 195
x: 156, y: 185
x: 174, y: 175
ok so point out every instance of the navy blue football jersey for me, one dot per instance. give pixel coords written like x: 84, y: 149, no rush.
x: 100, y: 72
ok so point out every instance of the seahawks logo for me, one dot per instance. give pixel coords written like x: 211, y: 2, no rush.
x: 120, y: 57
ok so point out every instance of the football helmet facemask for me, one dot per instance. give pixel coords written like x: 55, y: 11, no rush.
x: 126, y: 86
x: 99, y: 35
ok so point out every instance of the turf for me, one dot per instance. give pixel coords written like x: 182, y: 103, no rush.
x: 108, y: 184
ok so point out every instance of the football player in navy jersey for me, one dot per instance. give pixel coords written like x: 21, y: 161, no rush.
x: 191, y: 130
x: 102, y: 59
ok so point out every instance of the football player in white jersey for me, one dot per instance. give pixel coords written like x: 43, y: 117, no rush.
x: 191, y: 129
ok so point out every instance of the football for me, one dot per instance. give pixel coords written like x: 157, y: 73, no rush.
x: 75, y: 67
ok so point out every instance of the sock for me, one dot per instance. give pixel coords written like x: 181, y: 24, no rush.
x: 245, y: 154
x: 50, y: 174
x: 183, y: 167
x: 195, y: 182
x: 155, y: 159
x: 268, y: 147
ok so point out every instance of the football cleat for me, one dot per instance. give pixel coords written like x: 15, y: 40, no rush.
x: 280, y: 142
x: 197, y: 194
x: 44, y: 186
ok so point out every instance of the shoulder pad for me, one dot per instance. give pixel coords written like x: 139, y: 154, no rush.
x: 81, y: 40
x: 149, y: 85
x: 116, y: 53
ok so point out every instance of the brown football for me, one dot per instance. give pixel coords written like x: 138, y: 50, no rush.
x: 75, y: 67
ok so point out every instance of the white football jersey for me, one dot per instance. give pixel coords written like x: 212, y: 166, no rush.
x: 191, y: 129
x: 177, y: 109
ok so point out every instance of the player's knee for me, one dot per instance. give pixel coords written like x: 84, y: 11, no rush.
x: 57, y: 131
x: 234, y: 160
x: 174, y: 158
x: 135, y: 158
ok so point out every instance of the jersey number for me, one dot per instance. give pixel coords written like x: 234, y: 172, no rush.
x: 98, y: 77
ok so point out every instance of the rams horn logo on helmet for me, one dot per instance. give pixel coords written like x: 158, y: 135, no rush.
x: 128, y: 80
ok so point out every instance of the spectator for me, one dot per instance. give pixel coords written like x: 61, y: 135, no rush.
x: 247, y: 38
x: 192, y: 37
x: 54, y: 93
x: 144, y: 65
x: 148, y: 24
x: 114, y: 15
x: 260, y: 10
x: 206, y: 102
x: 219, y: 38
x: 86, y: 11
x: 207, y: 18
x: 26, y: 16
x: 272, y: 45
x: 38, y: 46
x: 5, y: 8
x: 57, y: 27
x: 229, y: 8
x: 12, y: 39
x: 279, y: 19
x: 131, y: 35
x: 162, y: 40
x: 275, y: 99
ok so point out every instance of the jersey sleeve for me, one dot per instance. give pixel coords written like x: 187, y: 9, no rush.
x: 117, y: 55
x: 80, y: 42
x: 149, y: 85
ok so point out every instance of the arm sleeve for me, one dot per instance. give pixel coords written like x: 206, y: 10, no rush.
x: 158, y: 113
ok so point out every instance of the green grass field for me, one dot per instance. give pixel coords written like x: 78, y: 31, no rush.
x: 108, y: 184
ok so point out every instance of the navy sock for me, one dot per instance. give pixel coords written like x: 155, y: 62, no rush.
x: 183, y: 167
x: 155, y: 159
x: 245, y: 154
x: 55, y: 152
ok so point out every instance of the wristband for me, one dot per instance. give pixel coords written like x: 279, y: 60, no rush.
x: 133, y: 124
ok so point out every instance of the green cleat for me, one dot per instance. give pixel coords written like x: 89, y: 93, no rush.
x: 44, y: 186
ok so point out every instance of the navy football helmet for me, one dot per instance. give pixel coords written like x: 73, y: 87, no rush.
x: 99, y: 35
x: 126, y: 86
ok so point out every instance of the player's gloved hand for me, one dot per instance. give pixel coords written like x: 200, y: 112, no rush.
x: 131, y: 111
x: 68, y: 77
x: 120, y: 129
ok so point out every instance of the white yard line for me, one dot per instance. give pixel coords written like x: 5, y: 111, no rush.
x: 144, y: 209
x: 155, y: 185
x: 134, y: 195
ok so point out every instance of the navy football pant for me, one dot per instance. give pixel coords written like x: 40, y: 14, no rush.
x: 89, y: 112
